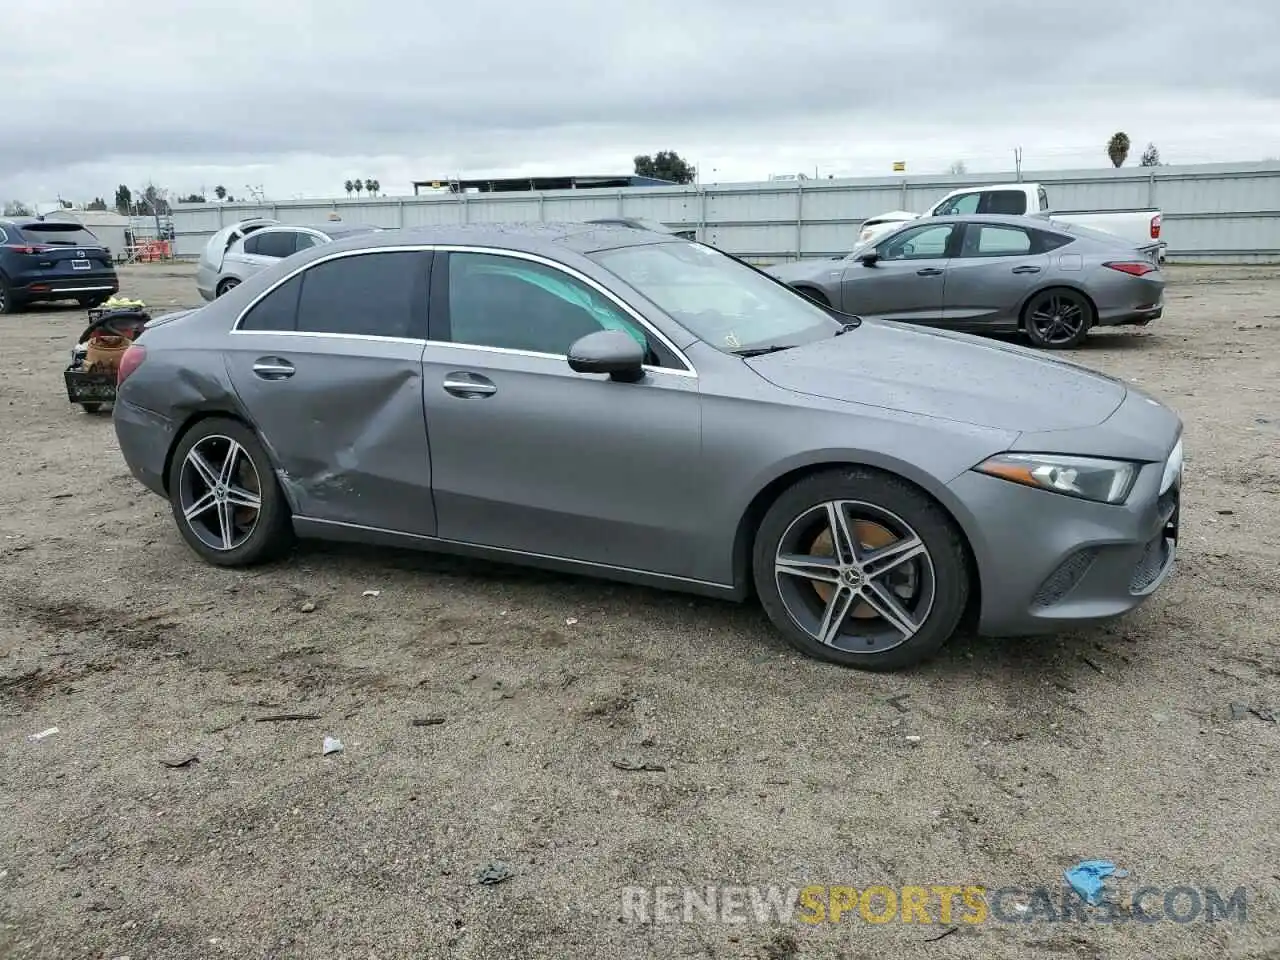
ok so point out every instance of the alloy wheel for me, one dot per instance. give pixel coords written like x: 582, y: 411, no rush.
x: 1059, y: 318
x: 220, y: 493
x: 855, y: 576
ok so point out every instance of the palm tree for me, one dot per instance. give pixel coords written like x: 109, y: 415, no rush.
x: 349, y: 186
x: 357, y: 186
x: 220, y: 192
x: 1118, y: 148
x: 375, y: 187
x: 368, y: 185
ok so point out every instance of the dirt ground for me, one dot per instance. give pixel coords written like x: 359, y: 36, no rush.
x: 1001, y: 764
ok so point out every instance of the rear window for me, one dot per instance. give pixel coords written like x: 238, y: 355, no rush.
x: 63, y: 234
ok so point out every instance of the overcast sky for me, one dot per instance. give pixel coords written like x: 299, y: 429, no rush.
x: 299, y: 95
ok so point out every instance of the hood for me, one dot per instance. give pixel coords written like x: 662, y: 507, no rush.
x: 950, y: 376
x: 815, y: 270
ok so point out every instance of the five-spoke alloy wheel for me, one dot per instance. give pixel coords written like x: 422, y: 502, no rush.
x: 1058, y: 319
x: 862, y: 569
x: 224, y: 496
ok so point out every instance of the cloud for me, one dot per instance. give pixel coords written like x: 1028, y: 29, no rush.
x: 290, y: 93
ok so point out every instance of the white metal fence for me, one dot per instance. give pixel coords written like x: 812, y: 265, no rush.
x: 1215, y: 212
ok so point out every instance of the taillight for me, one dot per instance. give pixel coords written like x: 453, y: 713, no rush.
x: 1155, y: 227
x: 1135, y: 268
x: 28, y: 248
x: 131, y: 361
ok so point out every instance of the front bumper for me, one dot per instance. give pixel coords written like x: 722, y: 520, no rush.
x: 1049, y: 562
x: 145, y: 439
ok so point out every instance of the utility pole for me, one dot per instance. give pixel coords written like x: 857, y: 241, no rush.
x: 1017, y: 162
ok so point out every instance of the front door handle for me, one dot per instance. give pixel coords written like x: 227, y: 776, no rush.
x: 469, y: 385
x: 929, y: 272
x: 1026, y: 269
x: 273, y: 368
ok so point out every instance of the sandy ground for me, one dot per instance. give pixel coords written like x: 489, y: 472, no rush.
x: 1000, y: 764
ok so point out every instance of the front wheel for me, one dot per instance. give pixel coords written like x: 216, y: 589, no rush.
x: 226, y: 285
x: 1057, y: 319
x: 859, y: 568
x: 224, y: 495
x: 8, y: 304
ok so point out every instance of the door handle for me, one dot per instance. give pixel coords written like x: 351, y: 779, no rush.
x: 469, y: 385
x: 273, y: 368
x: 929, y: 272
x: 1026, y: 269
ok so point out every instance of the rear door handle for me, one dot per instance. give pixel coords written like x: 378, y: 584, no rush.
x: 1026, y: 269
x: 469, y: 385
x: 929, y: 272
x: 273, y: 368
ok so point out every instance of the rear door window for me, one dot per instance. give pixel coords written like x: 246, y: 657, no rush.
x: 274, y: 243
x: 277, y: 311
x: 381, y: 294
x: 59, y: 234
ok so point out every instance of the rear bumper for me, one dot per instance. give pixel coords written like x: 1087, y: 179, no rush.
x: 87, y: 284
x: 145, y: 438
x: 1138, y: 317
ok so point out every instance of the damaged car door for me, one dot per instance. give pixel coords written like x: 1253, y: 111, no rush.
x: 328, y: 365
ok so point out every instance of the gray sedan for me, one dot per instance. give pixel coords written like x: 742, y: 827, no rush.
x: 630, y: 405
x: 1052, y: 281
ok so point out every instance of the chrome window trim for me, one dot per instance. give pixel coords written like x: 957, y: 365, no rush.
x: 688, y: 371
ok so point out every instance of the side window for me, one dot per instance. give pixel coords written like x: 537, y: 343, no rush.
x: 367, y: 294
x: 277, y: 311
x: 306, y: 241
x: 274, y: 243
x: 986, y: 240
x: 963, y: 204
x: 922, y: 243
x: 500, y: 301
x: 1006, y: 202
x: 1043, y: 198
x: 1046, y: 241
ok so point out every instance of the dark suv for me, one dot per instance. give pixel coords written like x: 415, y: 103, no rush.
x: 52, y: 260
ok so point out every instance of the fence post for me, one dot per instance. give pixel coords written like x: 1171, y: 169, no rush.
x: 702, y: 213
x: 799, y: 217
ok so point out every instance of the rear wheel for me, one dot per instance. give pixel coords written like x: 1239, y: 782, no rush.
x: 859, y: 568
x: 225, y: 498
x: 8, y: 304
x: 228, y: 284
x: 1057, y: 319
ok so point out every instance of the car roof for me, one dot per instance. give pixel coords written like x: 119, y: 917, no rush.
x: 545, y: 238
x: 332, y: 228
x: 996, y: 219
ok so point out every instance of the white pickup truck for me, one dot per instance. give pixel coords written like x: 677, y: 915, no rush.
x: 1142, y: 227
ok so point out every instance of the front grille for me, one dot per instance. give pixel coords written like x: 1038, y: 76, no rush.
x: 1153, y: 561
x: 1059, y: 583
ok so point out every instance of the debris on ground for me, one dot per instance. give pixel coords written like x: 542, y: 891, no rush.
x: 1086, y: 879
x: 180, y: 764
x: 897, y: 703
x: 494, y: 873
x: 426, y: 721
x: 372, y: 593
x: 43, y: 733
x: 332, y: 745
x: 1092, y: 664
x: 278, y: 717
x: 570, y: 621
x: 633, y: 765
x: 308, y: 607
x: 943, y: 935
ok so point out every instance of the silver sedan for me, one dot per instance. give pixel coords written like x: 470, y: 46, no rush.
x: 623, y: 403
x: 237, y: 252
x: 1051, y: 281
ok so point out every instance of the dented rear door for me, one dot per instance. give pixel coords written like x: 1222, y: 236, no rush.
x: 329, y: 367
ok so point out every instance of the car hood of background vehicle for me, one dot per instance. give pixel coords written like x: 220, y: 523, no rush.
x: 815, y: 270
x: 951, y: 376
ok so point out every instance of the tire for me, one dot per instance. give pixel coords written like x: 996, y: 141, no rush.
x: 253, y: 538
x: 815, y: 295
x: 8, y: 303
x: 1067, y: 318
x: 91, y: 407
x: 228, y: 284
x: 884, y: 512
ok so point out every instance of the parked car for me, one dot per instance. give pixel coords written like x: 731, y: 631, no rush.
x: 616, y: 402
x: 237, y: 252
x: 644, y: 223
x: 1052, y: 281
x: 48, y: 260
x: 1139, y: 227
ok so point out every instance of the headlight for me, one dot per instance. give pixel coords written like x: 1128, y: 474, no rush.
x: 1090, y: 478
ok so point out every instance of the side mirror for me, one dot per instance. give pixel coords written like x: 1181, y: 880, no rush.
x: 869, y: 259
x: 608, y: 351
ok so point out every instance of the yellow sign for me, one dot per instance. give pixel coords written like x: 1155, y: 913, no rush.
x: 899, y: 166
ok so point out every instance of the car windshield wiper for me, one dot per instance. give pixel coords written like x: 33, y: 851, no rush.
x: 761, y: 351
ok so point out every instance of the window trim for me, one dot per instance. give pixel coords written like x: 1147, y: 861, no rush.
x: 432, y: 248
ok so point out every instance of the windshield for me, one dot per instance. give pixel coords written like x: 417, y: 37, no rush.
x: 718, y: 299
x: 60, y: 234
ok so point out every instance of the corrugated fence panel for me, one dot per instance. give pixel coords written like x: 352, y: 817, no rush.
x: 1220, y: 212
